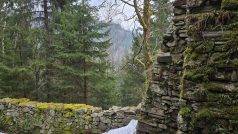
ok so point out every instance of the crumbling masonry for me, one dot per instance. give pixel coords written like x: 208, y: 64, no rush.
x: 194, y: 89
x: 195, y: 80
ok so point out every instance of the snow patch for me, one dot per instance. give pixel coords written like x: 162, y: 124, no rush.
x: 129, y: 129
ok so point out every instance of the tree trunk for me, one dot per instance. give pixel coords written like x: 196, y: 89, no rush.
x: 148, y: 57
x: 3, y: 43
x: 147, y: 13
x: 85, y: 83
x: 47, y: 73
x: 85, y: 92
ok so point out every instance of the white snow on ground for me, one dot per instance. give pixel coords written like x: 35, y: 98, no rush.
x: 129, y: 129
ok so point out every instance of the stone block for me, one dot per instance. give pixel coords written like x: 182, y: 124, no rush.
x: 164, y: 58
x: 179, y: 23
x: 1, y: 107
x: 179, y: 11
x: 179, y: 3
x: 162, y: 126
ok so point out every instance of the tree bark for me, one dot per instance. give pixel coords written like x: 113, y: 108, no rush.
x: 46, y: 23
x: 85, y: 83
x: 147, y: 13
x: 145, y: 21
x: 3, y: 41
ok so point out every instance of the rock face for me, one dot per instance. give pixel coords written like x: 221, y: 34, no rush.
x: 21, y: 116
x: 195, y: 80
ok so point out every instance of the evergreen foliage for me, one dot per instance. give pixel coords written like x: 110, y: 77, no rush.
x: 58, y: 53
x: 57, y: 50
x: 132, y: 77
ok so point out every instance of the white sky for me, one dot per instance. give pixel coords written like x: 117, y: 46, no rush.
x: 114, y: 13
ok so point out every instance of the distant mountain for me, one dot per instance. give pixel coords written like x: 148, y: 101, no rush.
x: 121, y: 43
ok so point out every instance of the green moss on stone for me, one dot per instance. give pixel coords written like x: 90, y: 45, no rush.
x: 200, y: 74
x: 68, y: 114
x: 229, y: 4
x: 200, y: 94
x: 235, y: 62
x: 222, y: 48
x: 233, y: 37
x: 205, y: 47
x: 42, y: 106
x: 15, y: 101
x: 207, y: 21
x: 214, y: 86
x: 6, y: 122
x: 88, y: 119
x: 221, y: 99
x: 203, y: 114
x: 184, y: 111
x: 193, y: 58
x: 219, y: 59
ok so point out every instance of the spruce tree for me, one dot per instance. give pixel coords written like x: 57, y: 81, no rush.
x: 16, y: 50
x: 55, y: 53
x: 80, y: 51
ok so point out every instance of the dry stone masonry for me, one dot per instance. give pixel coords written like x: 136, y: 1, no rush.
x: 195, y: 86
x: 22, y: 116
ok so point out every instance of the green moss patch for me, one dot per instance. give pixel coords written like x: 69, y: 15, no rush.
x: 219, y: 59
x: 207, y: 21
x: 235, y: 62
x: 222, y: 48
x: 15, y: 101
x: 215, y: 87
x: 194, y: 58
x: 42, y: 106
x: 222, y: 99
x: 203, y: 114
x: 200, y: 74
x: 229, y: 4
x: 185, y: 111
x: 205, y: 47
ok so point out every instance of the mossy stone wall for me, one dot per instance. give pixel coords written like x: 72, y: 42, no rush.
x: 196, y: 92
x: 22, y: 116
x: 213, y: 96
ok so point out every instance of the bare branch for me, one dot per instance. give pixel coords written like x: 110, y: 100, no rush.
x: 132, y: 17
x: 141, y: 20
x: 126, y: 2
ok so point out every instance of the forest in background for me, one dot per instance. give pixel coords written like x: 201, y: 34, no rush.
x: 58, y: 51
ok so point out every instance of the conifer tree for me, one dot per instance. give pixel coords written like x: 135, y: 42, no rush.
x: 16, y: 50
x: 81, y: 50
x: 52, y: 50
x: 132, y: 78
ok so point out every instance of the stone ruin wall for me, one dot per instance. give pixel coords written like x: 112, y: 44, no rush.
x: 22, y: 116
x: 194, y: 88
x: 195, y: 80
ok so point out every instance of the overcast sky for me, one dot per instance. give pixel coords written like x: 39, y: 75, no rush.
x: 115, y: 14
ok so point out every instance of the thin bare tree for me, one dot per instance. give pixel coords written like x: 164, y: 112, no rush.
x: 144, y: 14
